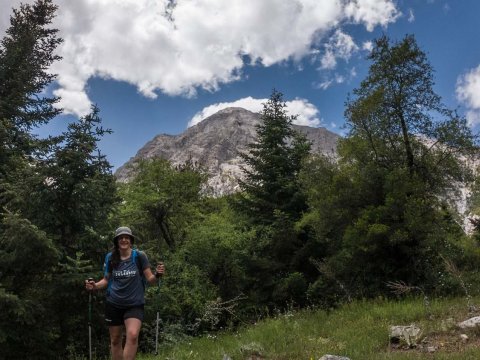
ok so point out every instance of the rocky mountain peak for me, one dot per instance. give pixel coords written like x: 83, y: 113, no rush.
x: 216, y: 144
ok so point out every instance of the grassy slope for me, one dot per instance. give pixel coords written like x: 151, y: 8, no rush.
x: 358, y: 330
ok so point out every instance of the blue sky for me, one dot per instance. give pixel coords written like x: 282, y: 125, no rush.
x: 159, y: 66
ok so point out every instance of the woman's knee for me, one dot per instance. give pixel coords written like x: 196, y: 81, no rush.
x: 116, y: 340
x: 116, y: 336
x: 132, y: 336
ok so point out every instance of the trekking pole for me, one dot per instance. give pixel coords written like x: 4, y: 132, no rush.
x: 158, y: 315
x: 90, y: 321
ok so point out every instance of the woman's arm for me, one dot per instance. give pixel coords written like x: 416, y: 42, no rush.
x: 151, y: 277
x: 92, y: 285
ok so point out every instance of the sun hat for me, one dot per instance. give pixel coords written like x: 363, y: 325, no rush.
x: 123, y: 230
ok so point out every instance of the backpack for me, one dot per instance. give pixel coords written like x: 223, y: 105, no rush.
x: 134, y: 258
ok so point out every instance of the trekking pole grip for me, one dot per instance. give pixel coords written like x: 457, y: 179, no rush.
x: 159, y: 275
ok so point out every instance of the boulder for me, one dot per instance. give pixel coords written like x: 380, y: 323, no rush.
x: 409, y: 334
x: 470, y: 323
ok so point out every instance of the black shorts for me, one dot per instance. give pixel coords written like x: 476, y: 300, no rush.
x: 115, y: 316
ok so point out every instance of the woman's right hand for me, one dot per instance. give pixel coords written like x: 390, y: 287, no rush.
x: 90, y: 284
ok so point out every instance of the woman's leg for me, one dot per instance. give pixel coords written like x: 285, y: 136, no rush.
x: 116, y: 337
x: 132, y: 327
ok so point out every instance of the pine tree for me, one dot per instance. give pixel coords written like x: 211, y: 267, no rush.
x: 26, y: 52
x: 272, y: 200
x: 56, y: 195
x: 270, y: 188
x: 28, y: 256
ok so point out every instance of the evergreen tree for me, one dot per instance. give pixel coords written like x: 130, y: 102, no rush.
x: 67, y: 197
x: 26, y: 52
x: 28, y: 256
x: 72, y: 198
x: 272, y: 200
x: 74, y: 191
x: 270, y: 190
x: 55, y: 195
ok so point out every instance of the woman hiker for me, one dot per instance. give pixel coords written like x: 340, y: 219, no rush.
x: 123, y: 270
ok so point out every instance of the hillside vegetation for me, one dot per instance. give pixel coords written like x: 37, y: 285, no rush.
x: 358, y: 330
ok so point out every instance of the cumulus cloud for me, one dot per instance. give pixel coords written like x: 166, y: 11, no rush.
x: 249, y: 103
x: 372, y: 12
x: 468, y: 91
x: 178, y: 47
x: 308, y: 114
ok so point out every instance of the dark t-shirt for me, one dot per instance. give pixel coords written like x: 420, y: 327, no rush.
x: 127, y: 288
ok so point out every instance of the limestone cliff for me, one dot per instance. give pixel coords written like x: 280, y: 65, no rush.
x: 216, y: 144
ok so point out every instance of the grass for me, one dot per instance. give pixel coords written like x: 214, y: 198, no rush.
x: 358, y: 331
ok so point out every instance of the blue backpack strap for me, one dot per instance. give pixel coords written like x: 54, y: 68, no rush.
x: 106, y: 264
x: 107, y: 270
x: 137, y: 261
x: 134, y: 258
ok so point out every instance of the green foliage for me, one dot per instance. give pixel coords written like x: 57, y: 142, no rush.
x: 67, y: 194
x: 292, y: 288
x: 272, y: 200
x: 380, y: 213
x: 401, y: 120
x: 26, y: 52
x: 358, y: 330
x: 218, y: 246
x: 76, y: 182
x: 56, y: 195
x: 195, y: 237
x: 27, y: 261
x: 161, y: 200
x: 270, y: 189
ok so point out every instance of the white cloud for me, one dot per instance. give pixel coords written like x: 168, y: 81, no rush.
x: 307, y: 112
x: 340, y: 45
x: 468, y: 91
x: 249, y: 103
x: 411, y: 16
x: 324, y: 85
x: 198, y: 45
x: 367, y: 46
x: 372, y: 12
x: 336, y: 79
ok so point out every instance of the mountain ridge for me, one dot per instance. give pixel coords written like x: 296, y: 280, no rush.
x: 216, y: 143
